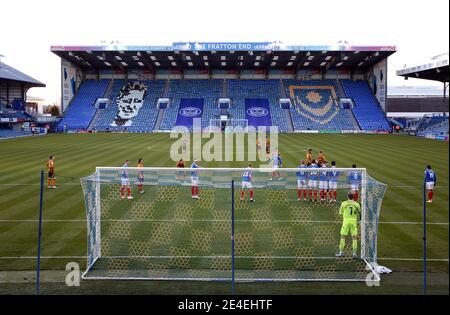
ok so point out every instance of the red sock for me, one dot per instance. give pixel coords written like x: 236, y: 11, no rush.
x: 299, y: 193
x: 315, y: 195
x: 356, y: 195
x: 129, y: 191
x: 196, y: 190
x: 304, y: 193
x: 310, y: 194
x: 251, y: 194
x: 242, y: 194
x: 193, y: 190
x: 121, y: 191
x: 430, y: 195
x: 335, y: 194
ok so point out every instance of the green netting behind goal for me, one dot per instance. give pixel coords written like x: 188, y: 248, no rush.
x: 164, y: 233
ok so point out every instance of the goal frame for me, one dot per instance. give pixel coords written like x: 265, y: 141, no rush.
x: 217, y: 127
x: 96, y: 177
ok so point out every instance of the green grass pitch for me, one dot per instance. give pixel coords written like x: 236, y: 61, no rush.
x: 398, y: 161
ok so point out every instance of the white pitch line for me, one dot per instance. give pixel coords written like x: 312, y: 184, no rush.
x: 77, y: 184
x: 212, y: 220
x: 210, y: 257
x: 413, y: 259
x: 43, y: 257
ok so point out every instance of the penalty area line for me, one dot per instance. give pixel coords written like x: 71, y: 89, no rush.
x: 206, y: 221
x: 210, y: 257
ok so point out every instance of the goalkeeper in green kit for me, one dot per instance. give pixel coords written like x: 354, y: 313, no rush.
x: 350, y: 211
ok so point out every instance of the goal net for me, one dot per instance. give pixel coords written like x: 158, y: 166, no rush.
x: 228, y: 125
x: 166, y: 234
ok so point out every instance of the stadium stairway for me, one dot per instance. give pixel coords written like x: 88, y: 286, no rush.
x: 161, y: 112
x: 159, y: 119
x: 225, y: 89
x: 367, y: 110
x: 340, y: 89
x: 98, y: 111
x: 166, y: 88
x: 282, y: 89
x: 287, y: 112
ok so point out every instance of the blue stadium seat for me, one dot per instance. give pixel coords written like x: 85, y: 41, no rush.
x: 82, y: 109
x: 367, y: 110
x: 10, y: 133
x: 435, y: 125
x: 315, y: 102
x: 240, y: 90
x: 147, y: 114
x: 209, y: 90
x: 316, y: 107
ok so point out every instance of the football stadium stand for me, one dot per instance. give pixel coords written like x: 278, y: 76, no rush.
x: 81, y: 110
x: 132, y: 106
x: 297, y: 88
x: 10, y: 133
x: 435, y: 125
x: 367, y: 111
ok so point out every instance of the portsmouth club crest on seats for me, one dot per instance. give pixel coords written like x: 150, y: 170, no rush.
x: 257, y: 112
x: 130, y: 100
x: 316, y: 103
x: 190, y: 112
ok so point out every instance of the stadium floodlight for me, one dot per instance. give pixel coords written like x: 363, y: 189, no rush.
x: 165, y: 234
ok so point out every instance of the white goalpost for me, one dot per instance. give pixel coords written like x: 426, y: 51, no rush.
x: 290, y: 232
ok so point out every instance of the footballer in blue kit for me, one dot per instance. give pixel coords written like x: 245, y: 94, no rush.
x: 302, y: 177
x: 354, y: 179
x: 247, y: 182
x: 312, y: 180
x: 430, y: 182
x: 125, y: 182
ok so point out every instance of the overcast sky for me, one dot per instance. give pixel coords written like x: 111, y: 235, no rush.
x: 419, y: 29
